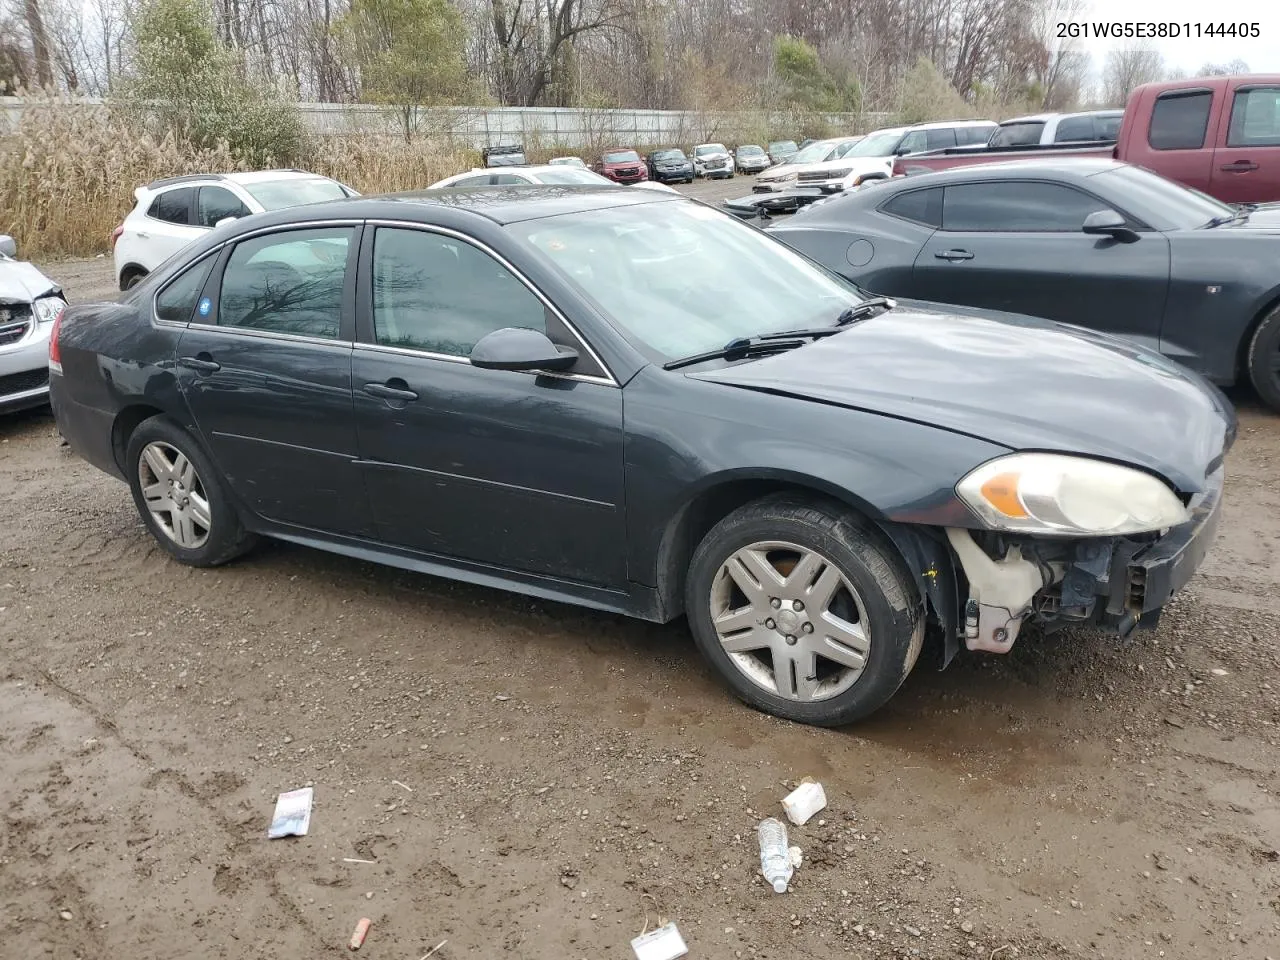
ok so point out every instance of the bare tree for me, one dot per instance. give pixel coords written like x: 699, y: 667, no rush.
x: 1235, y: 66
x: 1127, y: 68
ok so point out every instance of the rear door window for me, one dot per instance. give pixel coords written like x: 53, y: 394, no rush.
x: 1018, y: 134
x: 1074, y: 129
x: 1179, y: 120
x: 289, y: 282
x: 173, y: 206
x: 940, y: 139
x: 1255, y: 118
x: 1021, y: 206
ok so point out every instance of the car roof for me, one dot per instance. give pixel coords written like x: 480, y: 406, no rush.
x: 502, y: 205
x: 1031, y: 118
x: 242, y: 177
x: 515, y: 168
x: 1068, y: 167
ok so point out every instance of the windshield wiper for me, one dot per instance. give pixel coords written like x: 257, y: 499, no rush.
x: 861, y: 311
x: 742, y: 347
x: 1242, y: 214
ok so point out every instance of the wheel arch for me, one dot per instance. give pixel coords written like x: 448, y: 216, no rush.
x: 923, y: 550
x: 123, y: 426
x: 130, y: 269
x: 1270, y: 303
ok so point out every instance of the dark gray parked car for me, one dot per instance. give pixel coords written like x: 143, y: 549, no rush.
x: 1091, y: 242
x: 514, y: 387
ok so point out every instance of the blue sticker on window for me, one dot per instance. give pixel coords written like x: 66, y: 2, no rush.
x: 205, y: 306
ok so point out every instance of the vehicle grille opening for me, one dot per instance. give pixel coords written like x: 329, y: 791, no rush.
x: 14, y: 322
x: 27, y: 380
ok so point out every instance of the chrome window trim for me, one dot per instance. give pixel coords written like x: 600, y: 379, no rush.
x: 451, y: 358
x: 272, y: 335
x: 529, y: 285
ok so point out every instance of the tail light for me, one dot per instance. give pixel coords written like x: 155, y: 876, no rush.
x: 115, y: 235
x: 55, y: 351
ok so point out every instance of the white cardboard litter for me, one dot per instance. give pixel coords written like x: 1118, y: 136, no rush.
x: 293, y: 814
x: 665, y: 943
x: 804, y: 801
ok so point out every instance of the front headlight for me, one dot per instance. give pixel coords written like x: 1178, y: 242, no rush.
x: 1047, y: 493
x: 46, y: 308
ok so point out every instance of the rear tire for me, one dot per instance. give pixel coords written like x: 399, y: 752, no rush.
x: 180, y: 496
x: 132, y: 278
x: 829, y: 623
x: 1263, y: 360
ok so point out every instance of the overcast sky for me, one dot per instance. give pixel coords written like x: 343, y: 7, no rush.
x: 1262, y: 54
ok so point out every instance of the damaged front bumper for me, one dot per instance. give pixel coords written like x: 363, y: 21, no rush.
x: 1118, y: 583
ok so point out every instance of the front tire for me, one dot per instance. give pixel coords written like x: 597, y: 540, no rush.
x: 180, y: 496
x: 804, y: 610
x: 1263, y: 360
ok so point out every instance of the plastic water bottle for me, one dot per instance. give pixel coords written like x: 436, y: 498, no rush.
x: 775, y: 856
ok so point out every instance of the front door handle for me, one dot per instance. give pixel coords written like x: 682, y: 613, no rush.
x: 201, y: 364
x: 143, y: 236
x: 394, y: 389
x: 1238, y: 166
x: 954, y: 255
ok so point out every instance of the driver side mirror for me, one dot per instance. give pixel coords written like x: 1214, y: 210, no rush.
x: 7, y: 246
x: 224, y: 221
x: 1109, y: 223
x: 517, y: 348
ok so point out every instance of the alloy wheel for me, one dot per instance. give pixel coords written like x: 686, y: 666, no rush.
x: 790, y: 621
x: 174, y: 494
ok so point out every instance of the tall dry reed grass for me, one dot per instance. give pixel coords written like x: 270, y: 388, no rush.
x: 68, y: 173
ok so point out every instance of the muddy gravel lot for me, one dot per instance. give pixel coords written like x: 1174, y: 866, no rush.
x: 525, y: 779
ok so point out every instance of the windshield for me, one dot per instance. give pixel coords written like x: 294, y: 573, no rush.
x: 1162, y: 203
x: 278, y: 194
x: 571, y: 175
x: 682, y: 278
x: 750, y: 151
x: 876, y: 145
x: 670, y: 155
x: 814, y: 153
x: 622, y: 156
x: 1017, y: 134
x: 568, y: 162
x: 707, y: 148
x: 782, y: 146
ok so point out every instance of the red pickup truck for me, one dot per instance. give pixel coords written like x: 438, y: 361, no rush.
x: 1219, y: 135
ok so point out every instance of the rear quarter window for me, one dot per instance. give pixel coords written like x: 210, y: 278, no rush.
x: 918, y: 206
x: 1179, y: 120
x: 173, y: 206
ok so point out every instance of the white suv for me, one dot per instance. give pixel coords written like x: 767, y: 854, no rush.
x: 872, y: 157
x: 171, y: 213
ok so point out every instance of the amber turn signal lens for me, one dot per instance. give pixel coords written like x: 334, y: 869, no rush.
x: 1001, y: 491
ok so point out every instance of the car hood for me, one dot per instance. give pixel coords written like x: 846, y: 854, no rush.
x: 614, y: 164
x: 1024, y: 383
x: 20, y: 282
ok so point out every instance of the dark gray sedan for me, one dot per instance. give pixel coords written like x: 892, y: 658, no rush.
x: 1083, y: 241
x: 628, y: 400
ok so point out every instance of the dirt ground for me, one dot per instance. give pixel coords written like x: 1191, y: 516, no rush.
x: 536, y: 781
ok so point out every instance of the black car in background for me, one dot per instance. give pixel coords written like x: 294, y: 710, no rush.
x: 512, y: 386
x: 669, y: 166
x: 1092, y: 242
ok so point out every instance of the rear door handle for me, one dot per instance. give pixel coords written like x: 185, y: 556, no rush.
x: 387, y: 391
x: 1238, y: 166
x: 143, y: 236
x: 954, y: 255
x: 199, y: 364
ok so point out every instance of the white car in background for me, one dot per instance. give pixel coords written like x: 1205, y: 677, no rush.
x: 784, y: 176
x: 712, y: 160
x: 872, y: 157
x: 29, y: 304
x: 548, y: 173
x: 169, y: 214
